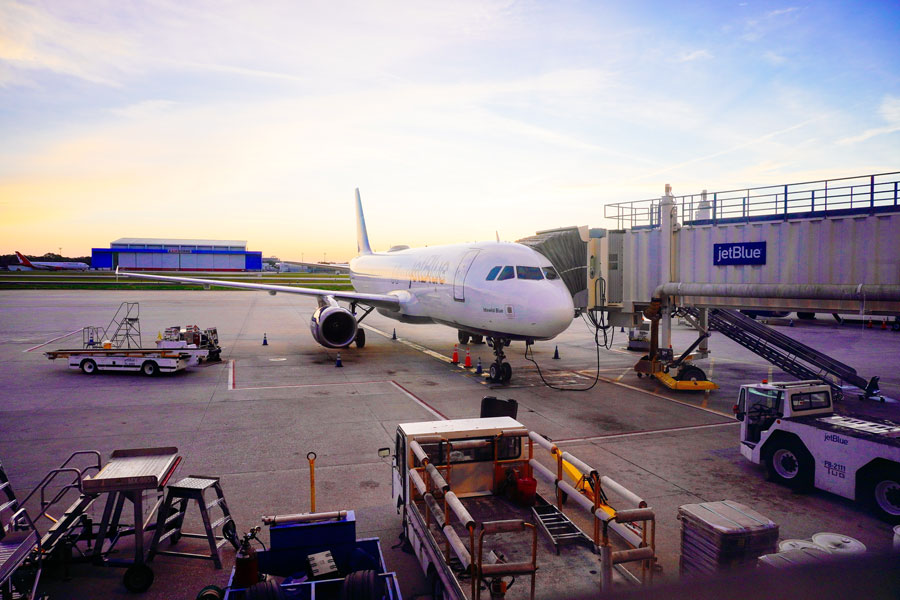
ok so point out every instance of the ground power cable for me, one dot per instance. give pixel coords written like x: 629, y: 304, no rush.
x: 599, y: 324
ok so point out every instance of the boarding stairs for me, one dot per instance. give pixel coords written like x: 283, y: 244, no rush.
x: 125, y: 326
x: 787, y: 354
x: 558, y: 527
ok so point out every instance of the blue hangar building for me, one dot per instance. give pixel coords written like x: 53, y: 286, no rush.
x: 154, y: 254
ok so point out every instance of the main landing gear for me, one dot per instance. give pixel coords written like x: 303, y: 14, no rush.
x: 500, y: 371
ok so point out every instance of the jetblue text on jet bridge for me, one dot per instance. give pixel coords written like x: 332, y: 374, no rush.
x: 743, y: 253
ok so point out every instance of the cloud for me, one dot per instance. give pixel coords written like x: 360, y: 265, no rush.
x: 145, y: 109
x: 774, y: 58
x: 781, y: 11
x: 890, y: 114
x: 695, y: 55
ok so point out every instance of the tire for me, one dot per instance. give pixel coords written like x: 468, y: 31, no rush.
x: 229, y: 532
x: 463, y: 337
x: 790, y: 464
x: 138, y: 578
x: 360, y: 338
x: 690, y: 373
x: 477, y: 339
x: 150, y: 368
x: 363, y: 585
x: 884, y: 495
x: 265, y: 590
x: 505, y: 372
x: 211, y: 592
x: 494, y: 372
x: 806, y: 316
x: 88, y: 367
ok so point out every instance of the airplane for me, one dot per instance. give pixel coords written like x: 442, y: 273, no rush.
x: 51, y: 266
x: 496, y: 290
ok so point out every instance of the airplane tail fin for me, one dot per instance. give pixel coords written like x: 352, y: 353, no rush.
x: 362, y: 236
x: 23, y: 260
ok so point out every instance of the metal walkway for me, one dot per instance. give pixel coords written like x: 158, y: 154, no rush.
x: 787, y: 354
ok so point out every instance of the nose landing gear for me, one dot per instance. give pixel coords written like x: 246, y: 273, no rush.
x: 500, y: 371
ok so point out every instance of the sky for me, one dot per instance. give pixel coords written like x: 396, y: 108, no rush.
x: 458, y: 121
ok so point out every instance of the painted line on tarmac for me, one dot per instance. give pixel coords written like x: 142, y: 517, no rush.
x: 231, y: 375
x: 647, y: 432
x: 51, y: 341
x: 420, y: 402
x: 654, y: 394
x: 309, y: 385
x: 412, y: 345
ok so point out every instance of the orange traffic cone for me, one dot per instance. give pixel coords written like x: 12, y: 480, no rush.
x: 468, y: 363
x: 869, y: 324
x: 454, y: 360
x: 884, y: 324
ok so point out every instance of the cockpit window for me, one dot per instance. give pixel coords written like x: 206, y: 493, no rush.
x: 529, y: 273
x: 493, y: 274
x: 506, y: 273
x: 550, y: 273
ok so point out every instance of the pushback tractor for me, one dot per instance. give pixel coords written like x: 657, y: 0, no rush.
x: 792, y: 429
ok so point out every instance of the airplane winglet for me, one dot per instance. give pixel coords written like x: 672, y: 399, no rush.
x: 362, y: 236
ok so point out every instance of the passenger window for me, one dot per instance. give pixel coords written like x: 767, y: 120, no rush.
x: 533, y: 273
x: 550, y: 273
x: 506, y: 273
x: 493, y: 274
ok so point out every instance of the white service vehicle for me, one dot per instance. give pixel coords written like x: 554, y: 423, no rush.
x: 791, y: 428
x: 472, y: 514
x: 149, y: 361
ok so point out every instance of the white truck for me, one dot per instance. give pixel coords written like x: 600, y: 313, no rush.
x: 149, y: 361
x: 792, y: 429
x: 472, y: 513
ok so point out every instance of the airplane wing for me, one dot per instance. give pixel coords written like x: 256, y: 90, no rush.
x: 342, y: 267
x: 387, y: 301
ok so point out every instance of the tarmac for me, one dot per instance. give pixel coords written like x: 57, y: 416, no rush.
x: 252, y: 419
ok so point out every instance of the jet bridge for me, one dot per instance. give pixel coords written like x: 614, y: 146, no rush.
x: 830, y: 246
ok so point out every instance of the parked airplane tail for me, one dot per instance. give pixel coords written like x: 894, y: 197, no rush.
x: 23, y: 260
x: 362, y: 236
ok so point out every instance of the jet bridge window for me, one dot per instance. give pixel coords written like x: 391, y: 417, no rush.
x: 550, y: 273
x: 493, y: 274
x: 533, y: 273
x: 506, y: 273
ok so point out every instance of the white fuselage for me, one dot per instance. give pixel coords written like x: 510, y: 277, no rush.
x: 449, y: 285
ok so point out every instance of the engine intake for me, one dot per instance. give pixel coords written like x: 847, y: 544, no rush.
x: 333, y: 326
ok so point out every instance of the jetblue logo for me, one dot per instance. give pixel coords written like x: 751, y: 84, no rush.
x: 745, y: 253
x: 833, y: 437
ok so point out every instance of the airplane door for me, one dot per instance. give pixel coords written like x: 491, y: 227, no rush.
x: 459, y: 279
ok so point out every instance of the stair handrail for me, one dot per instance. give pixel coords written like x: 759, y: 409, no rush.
x: 51, y: 475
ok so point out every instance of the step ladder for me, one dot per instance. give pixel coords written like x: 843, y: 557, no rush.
x: 7, y: 496
x: 67, y: 521
x: 558, y: 527
x: 125, y: 326
x: 170, y: 519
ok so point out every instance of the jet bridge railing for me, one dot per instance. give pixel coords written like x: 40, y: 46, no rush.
x: 847, y: 195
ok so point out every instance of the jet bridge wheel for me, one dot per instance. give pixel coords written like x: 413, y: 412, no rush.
x: 690, y: 373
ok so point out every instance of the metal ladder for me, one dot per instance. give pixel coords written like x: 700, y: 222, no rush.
x: 125, y: 326
x: 787, y: 354
x: 558, y: 527
x: 9, y: 502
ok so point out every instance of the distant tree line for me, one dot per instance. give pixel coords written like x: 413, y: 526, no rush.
x: 12, y: 259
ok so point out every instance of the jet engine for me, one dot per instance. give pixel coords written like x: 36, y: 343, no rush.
x: 333, y: 326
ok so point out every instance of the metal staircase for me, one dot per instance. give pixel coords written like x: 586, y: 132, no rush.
x: 125, y: 326
x: 787, y: 354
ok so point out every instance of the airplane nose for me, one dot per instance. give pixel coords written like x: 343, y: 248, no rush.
x: 559, y: 311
